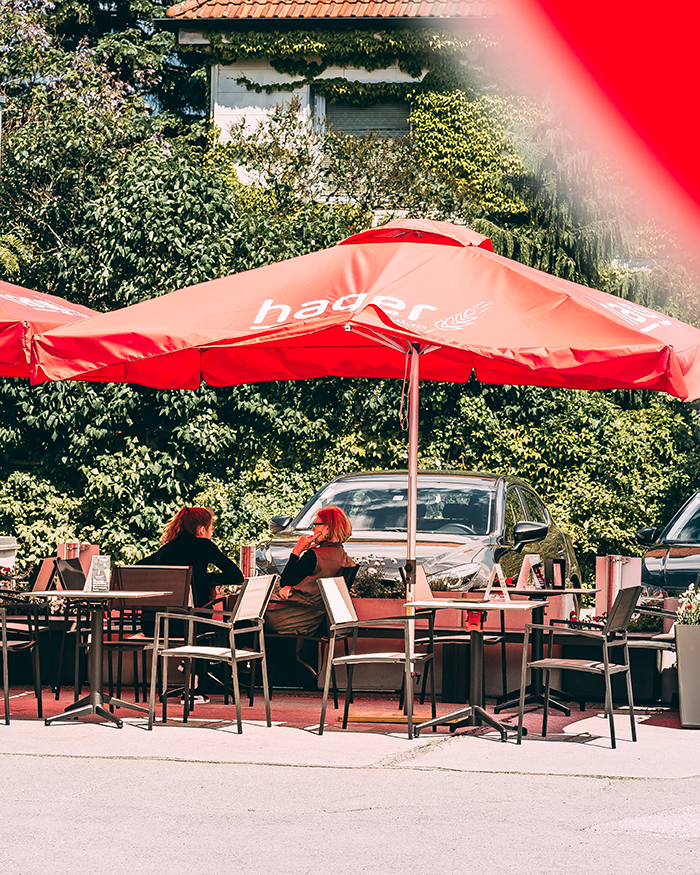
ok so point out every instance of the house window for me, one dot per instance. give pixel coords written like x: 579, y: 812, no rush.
x: 389, y: 118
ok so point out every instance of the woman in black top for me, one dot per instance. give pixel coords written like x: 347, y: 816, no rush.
x: 186, y: 540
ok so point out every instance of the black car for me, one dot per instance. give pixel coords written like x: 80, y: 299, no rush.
x: 673, y: 561
x: 465, y: 523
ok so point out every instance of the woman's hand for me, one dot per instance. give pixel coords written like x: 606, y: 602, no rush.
x: 285, y: 592
x: 302, y: 544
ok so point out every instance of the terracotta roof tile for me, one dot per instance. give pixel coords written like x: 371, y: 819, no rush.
x: 284, y: 9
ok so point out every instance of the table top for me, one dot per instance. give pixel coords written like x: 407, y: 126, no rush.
x: 476, y: 605
x: 98, y: 596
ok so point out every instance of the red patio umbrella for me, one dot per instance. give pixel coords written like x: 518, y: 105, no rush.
x: 372, y: 307
x: 23, y: 313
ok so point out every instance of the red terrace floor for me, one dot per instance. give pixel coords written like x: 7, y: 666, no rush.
x: 301, y: 710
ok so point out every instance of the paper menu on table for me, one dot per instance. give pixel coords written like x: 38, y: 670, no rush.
x: 98, y: 576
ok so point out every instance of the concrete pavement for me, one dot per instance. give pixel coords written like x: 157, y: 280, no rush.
x: 89, y: 797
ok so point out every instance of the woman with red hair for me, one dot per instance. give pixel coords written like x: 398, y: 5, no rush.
x: 299, y: 608
x: 186, y: 540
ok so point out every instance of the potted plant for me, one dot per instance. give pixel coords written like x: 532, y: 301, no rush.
x: 373, y: 593
x: 687, y: 630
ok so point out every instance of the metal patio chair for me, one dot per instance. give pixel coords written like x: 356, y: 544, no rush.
x: 613, y: 634
x: 249, y: 610
x: 20, y: 633
x: 345, y: 624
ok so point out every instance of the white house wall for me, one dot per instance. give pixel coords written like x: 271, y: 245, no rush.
x: 231, y: 101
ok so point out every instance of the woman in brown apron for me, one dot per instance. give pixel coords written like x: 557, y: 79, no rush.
x: 298, y: 608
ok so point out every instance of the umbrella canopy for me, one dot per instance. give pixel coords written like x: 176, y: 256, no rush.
x: 23, y: 313
x: 374, y: 306
x: 356, y: 309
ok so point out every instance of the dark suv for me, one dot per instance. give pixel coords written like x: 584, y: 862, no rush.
x: 673, y: 561
x: 465, y: 523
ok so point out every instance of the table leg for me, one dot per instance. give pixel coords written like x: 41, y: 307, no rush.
x: 94, y: 703
x: 475, y: 714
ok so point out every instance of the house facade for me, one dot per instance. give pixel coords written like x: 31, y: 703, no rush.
x: 353, y: 64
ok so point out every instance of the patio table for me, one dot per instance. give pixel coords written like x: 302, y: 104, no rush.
x: 475, y: 714
x: 94, y: 702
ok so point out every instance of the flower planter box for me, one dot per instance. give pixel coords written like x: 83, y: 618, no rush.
x: 688, y: 656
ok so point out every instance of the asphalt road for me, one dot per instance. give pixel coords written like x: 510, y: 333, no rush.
x: 90, y: 798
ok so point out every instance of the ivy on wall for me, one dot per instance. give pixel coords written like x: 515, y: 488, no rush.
x: 442, y: 58
x: 468, y: 142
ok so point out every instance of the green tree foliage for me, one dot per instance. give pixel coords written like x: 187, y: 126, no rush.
x: 467, y: 141
x: 13, y: 254
x: 106, y: 203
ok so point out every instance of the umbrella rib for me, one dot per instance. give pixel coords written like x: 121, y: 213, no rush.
x: 388, y: 341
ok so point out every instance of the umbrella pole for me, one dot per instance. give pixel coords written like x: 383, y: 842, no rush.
x: 413, y: 386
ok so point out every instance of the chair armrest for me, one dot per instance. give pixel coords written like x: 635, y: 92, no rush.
x: 191, y: 619
x: 580, y: 633
x: 570, y: 622
x: 210, y: 612
x: 386, y: 621
x: 657, y: 612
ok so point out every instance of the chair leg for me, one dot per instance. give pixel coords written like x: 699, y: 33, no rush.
x: 251, y: 686
x: 137, y: 683
x: 36, y: 665
x: 154, y: 684
x: 609, y: 709
x: 409, y: 696
x: 545, y: 710
x: 424, y: 685
x: 6, y: 686
x: 330, y: 670
x: 164, y: 689
x: 263, y: 669
x: 323, y: 648
x: 348, y: 695
x: 61, y: 651
x: 346, y: 649
x: 144, y: 687
x: 630, y: 699
x: 433, y: 705
x: 188, y: 693
x: 120, y: 669
x: 236, y: 695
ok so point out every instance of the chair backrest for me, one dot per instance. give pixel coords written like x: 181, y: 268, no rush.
x: 253, y: 598
x: 622, y: 610
x: 337, y: 600
x: 42, y: 575
x: 175, y: 579
x: 70, y: 573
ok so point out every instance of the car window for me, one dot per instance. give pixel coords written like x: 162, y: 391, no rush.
x: 514, y: 514
x: 535, y: 508
x: 451, y: 509
x: 686, y: 526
